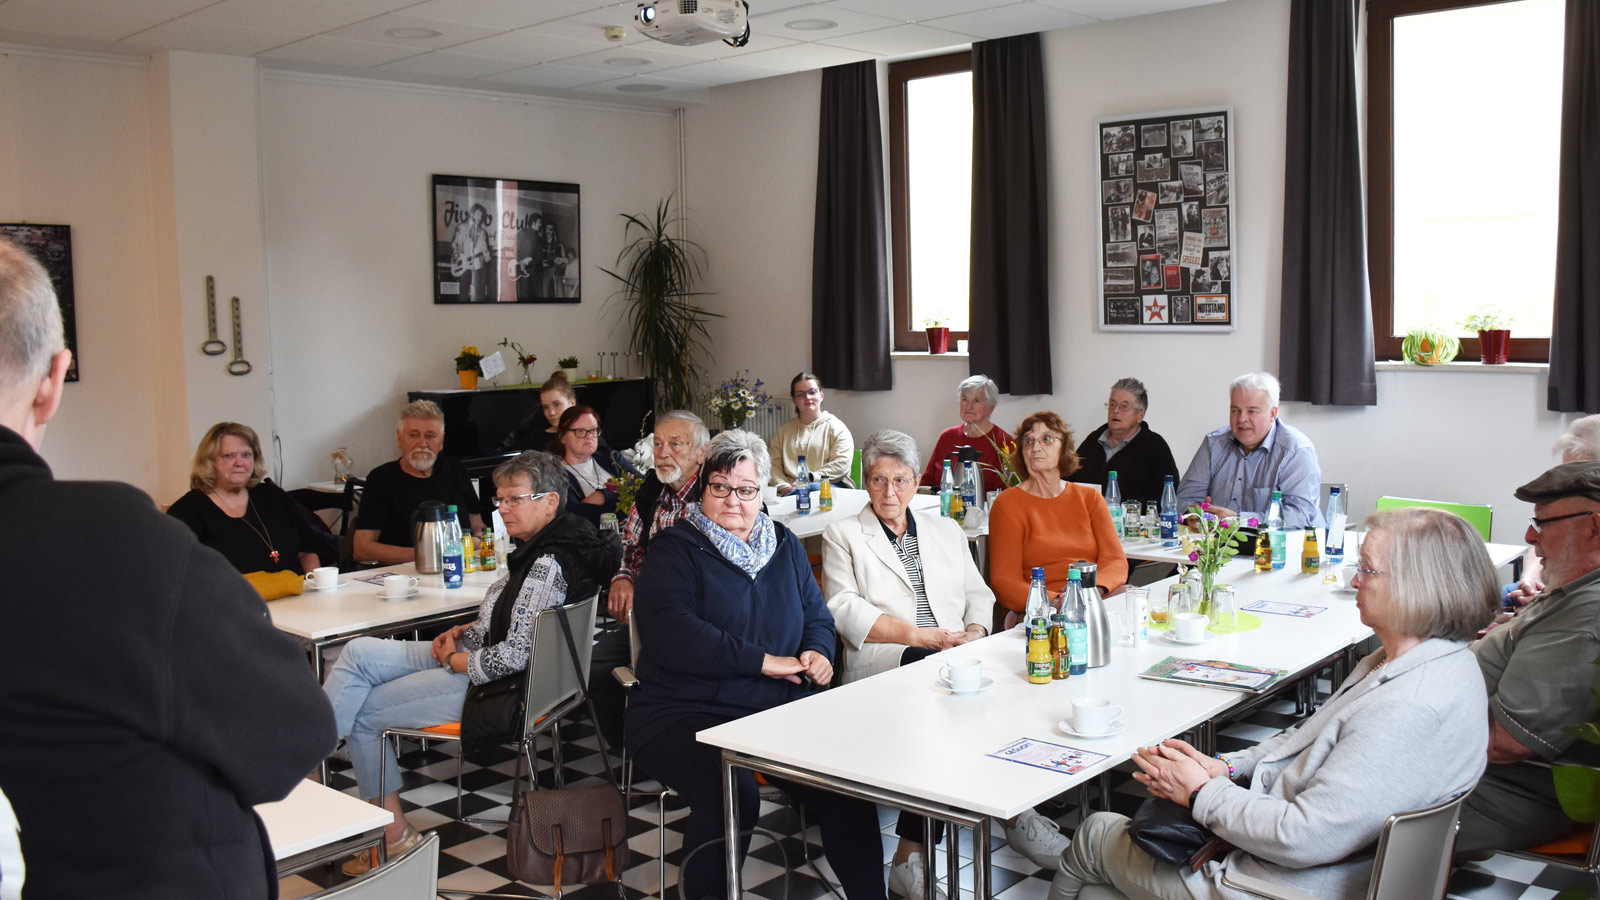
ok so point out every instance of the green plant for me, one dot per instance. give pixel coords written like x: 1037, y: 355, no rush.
x: 1430, y: 345
x: 1010, y: 475
x: 737, y: 399
x: 1578, y: 787
x: 1215, y: 541
x: 1489, y: 317
x: 567, y: 362
x: 658, y: 270
x: 939, y: 319
x: 468, y: 359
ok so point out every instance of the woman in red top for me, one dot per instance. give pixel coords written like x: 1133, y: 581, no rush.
x: 978, y: 397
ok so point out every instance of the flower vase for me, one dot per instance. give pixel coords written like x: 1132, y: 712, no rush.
x: 469, y: 379
x: 1208, y: 580
x: 527, y: 376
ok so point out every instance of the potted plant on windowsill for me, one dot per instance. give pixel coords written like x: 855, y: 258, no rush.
x: 937, y: 327
x: 1430, y: 345
x: 569, y: 365
x: 1493, y: 326
x: 467, y: 367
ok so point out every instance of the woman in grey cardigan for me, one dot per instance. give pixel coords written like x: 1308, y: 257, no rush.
x: 1405, y: 731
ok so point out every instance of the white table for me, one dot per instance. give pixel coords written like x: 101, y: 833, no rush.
x: 317, y: 824
x: 1152, y: 550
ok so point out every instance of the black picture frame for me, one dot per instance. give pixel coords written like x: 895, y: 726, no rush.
x: 500, y: 240
x: 52, y: 246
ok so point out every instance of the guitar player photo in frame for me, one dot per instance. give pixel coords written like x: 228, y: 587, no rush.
x: 505, y: 241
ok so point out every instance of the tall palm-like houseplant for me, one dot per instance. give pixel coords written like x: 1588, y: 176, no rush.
x: 658, y: 270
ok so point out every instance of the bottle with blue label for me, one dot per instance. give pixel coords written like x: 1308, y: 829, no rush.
x: 1077, y: 623
x: 802, y: 489
x: 1114, y: 501
x: 1038, y: 598
x: 1334, y: 545
x: 454, y: 568
x: 970, y: 485
x: 1169, y: 514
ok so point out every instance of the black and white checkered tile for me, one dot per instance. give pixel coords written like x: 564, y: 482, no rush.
x: 473, y: 857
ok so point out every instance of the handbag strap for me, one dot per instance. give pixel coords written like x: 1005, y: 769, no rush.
x: 583, y: 683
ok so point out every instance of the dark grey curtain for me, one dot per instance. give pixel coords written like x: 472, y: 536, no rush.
x: 850, y: 316
x: 1575, y: 330
x: 1325, y: 334
x: 1010, y: 282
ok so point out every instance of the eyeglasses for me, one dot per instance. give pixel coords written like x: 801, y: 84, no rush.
x: 517, y: 500
x: 1122, y: 407
x: 1047, y: 440
x: 1365, y: 572
x: 807, y: 393
x: 878, y: 482
x: 721, y: 489
x: 584, y: 432
x: 1538, y: 524
x: 675, y: 445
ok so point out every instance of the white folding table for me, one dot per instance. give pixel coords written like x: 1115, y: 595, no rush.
x: 317, y: 824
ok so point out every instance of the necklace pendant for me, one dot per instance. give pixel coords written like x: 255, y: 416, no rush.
x: 274, y: 556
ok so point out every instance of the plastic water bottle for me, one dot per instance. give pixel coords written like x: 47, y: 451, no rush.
x: 802, y: 489
x: 1077, y: 623
x: 1114, y: 502
x: 454, y: 568
x: 1334, y: 545
x: 1038, y: 598
x: 1280, y: 549
x: 970, y: 486
x: 1169, y: 514
x: 947, y: 489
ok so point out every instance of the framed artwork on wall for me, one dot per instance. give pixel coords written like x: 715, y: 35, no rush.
x: 1166, y: 221
x: 497, y: 240
x: 52, y: 246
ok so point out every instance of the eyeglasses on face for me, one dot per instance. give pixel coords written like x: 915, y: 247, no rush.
x: 676, y: 445
x: 721, y: 489
x: 1043, y: 440
x: 584, y: 432
x: 1121, y: 407
x: 809, y: 392
x: 900, y: 482
x: 1538, y: 524
x: 517, y: 500
x: 1364, y: 572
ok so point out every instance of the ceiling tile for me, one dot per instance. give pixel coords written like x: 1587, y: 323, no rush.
x: 528, y: 47
x: 444, y: 64
x: 800, y: 57
x: 722, y: 71
x: 378, y: 28
x: 1006, y: 21
x: 71, y: 21
x: 902, y: 39
x: 848, y: 22
x: 161, y: 9
x: 920, y: 10
x: 330, y: 51
x: 1122, y: 9
x: 374, y: 6
x: 501, y: 15
x: 601, y: 61
x: 626, y: 90
x: 548, y: 76
x: 302, y: 16
x: 209, y: 37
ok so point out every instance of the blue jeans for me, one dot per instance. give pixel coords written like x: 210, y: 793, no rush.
x: 378, y: 684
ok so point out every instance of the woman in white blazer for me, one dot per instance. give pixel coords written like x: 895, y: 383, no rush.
x: 901, y: 585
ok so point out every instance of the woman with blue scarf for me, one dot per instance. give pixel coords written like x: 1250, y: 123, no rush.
x: 731, y: 622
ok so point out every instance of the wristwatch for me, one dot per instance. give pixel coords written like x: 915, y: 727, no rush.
x: 1193, y: 797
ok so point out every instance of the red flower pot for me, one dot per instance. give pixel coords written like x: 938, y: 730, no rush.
x: 939, y: 340
x: 1494, y: 346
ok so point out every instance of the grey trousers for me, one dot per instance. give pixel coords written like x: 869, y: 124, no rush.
x: 1103, y: 863
x: 1504, y: 829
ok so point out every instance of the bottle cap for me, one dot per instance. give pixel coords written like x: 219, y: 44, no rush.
x: 1038, y: 571
x: 451, y: 508
x: 1074, y: 575
x: 1113, y: 473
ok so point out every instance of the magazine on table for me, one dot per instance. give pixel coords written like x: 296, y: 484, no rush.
x: 1213, y: 673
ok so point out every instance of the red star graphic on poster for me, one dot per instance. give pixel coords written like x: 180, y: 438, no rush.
x: 1155, y: 309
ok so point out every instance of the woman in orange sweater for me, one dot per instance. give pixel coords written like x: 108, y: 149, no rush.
x: 1048, y: 521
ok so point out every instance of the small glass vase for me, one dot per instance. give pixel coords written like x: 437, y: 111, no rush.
x: 527, y: 375
x: 1208, y: 583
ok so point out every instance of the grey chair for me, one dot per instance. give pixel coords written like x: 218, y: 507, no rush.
x: 1413, y: 858
x: 1578, y: 851
x: 414, y: 875
x: 553, y: 691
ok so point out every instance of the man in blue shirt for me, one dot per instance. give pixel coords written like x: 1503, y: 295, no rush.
x: 1238, y: 467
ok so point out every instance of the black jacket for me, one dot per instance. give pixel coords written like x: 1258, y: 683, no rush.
x: 146, y: 701
x: 1141, y: 465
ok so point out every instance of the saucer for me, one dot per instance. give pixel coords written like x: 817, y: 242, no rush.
x: 983, y: 685
x: 342, y: 583
x: 1065, y: 726
x: 1173, y: 637
x: 405, y: 596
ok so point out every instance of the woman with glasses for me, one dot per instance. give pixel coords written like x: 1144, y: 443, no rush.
x: 901, y: 586
x: 821, y: 437
x: 589, y: 469
x: 731, y: 622
x: 977, y: 396
x: 378, y: 684
x: 1405, y: 731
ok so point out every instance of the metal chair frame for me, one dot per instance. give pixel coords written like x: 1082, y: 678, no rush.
x: 1587, y: 863
x: 414, y: 875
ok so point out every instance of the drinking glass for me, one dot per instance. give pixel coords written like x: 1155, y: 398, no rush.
x: 1152, y: 520
x: 1132, y: 524
x: 1130, y: 611
x: 1178, y: 601
x: 1224, y: 606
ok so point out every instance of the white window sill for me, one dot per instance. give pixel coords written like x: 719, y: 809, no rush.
x: 911, y: 354
x: 1396, y: 365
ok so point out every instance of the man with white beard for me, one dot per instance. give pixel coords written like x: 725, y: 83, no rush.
x: 395, y: 489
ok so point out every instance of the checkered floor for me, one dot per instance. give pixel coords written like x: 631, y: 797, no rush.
x: 473, y: 858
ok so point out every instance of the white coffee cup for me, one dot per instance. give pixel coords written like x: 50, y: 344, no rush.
x: 1094, y: 715
x: 962, y: 674
x: 1190, y: 626
x: 323, y: 577
x: 1347, y: 576
x: 399, y: 585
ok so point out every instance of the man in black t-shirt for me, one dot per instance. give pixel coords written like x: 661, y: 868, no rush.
x: 394, y: 490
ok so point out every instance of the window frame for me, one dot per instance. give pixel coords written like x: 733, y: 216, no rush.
x: 907, y: 339
x: 1380, y: 182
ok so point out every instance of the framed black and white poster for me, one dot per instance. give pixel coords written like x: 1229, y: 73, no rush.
x: 501, y: 241
x: 52, y: 246
x: 1167, y: 233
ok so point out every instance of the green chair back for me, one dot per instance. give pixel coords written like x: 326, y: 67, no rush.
x: 855, y: 469
x: 1478, y: 516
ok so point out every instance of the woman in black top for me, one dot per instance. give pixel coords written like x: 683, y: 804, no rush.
x: 257, y: 526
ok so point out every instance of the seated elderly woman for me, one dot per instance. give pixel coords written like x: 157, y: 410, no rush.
x: 730, y: 618
x: 901, y: 586
x: 378, y: 684
x: 589, y: 469
x: 1406, y: 730
x: 257, y: 526
x: 978, y: 396
x: 1048, y: 521
x: 821, y: 437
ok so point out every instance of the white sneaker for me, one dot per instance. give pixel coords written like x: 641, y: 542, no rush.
x: 1037, y: 838
x: 906, y: 879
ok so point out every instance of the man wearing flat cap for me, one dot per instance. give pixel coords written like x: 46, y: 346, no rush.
x: 1540, y: 672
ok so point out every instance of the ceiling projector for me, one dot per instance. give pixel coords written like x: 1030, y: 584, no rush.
x: 688, y: 22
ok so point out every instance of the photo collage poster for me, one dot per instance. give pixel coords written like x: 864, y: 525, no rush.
x: 1166, y: 221
x: 496, y: 240
x: 51, y: 245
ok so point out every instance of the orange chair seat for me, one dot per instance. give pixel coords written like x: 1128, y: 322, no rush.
x: 1574, y: 844
x: 449, y: 728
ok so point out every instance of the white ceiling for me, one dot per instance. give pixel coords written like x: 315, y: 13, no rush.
x: 545, y: 47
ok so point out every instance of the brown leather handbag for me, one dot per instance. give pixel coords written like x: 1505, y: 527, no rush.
x: 576, y: 835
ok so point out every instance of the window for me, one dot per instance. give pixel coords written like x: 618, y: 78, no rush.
x: 1464, y: 133
x: 930, y: 194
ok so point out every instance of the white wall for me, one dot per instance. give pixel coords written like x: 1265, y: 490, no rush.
x: 751, y: 163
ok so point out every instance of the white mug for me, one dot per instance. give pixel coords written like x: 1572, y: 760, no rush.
x: 1190, y: 626
x: 399, y: 585
x: 1093, y: 715
x: 1347, y: 575
x: 323, y: 577
x: 962, y: 674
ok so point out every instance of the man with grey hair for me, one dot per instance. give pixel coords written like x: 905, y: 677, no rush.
x: 395, y: 489
x: 1239, y: 465
x: 1127, y: 446
x: 164, y: 706
x: 1539, y: 670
